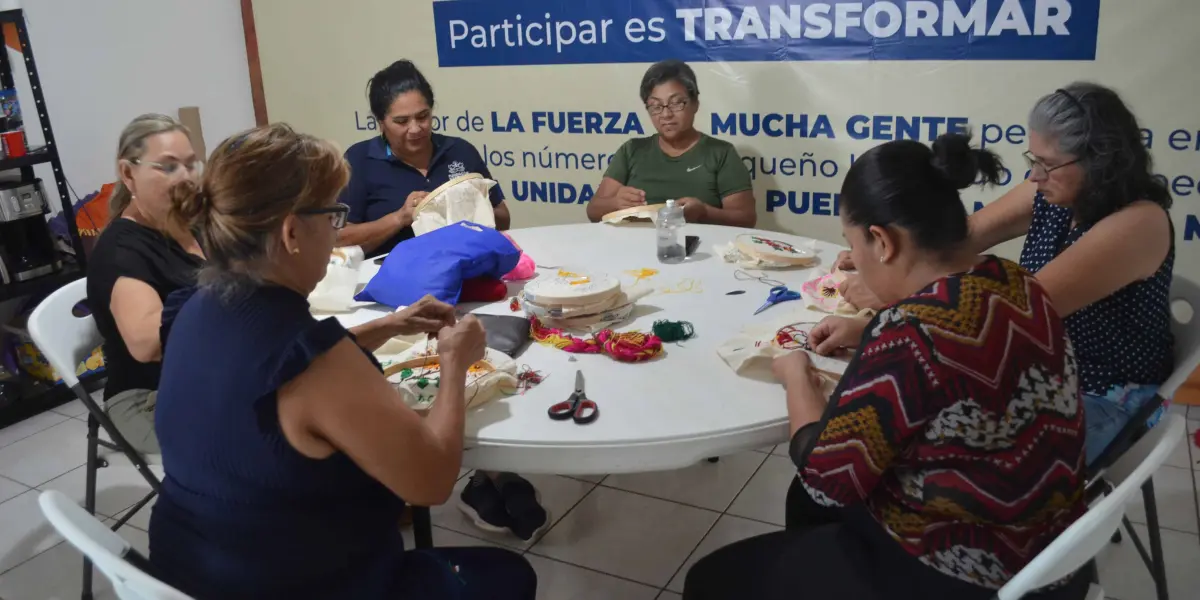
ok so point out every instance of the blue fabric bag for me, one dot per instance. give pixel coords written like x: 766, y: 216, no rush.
x: 438, y: 262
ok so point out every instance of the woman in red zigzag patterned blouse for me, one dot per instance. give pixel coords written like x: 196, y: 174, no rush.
x: 952, y: 451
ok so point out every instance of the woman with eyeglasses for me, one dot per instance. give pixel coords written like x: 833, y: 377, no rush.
x: 288, y: 456
x: 138, y: 261
x: 1101, y: 240
x: 701, y: 173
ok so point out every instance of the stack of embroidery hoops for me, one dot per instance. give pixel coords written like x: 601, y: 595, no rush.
x: 636, y: 214
x: 760, y: 252
x: 578, y: 300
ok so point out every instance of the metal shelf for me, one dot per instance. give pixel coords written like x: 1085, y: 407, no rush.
x: 40, y: 397
x: 46, y: 283
x: 41, y: 157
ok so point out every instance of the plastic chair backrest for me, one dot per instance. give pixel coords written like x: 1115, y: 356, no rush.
x: 65, y: 340
x: 1185, y: 304
x: 1086, y: 537
x: 105, y: 548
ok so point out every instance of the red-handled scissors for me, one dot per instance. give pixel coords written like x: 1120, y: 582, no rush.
x: 577, y: 408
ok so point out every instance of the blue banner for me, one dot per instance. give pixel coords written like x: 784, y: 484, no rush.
x: 551, y: 32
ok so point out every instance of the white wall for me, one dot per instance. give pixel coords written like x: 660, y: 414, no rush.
x: 103, y: 62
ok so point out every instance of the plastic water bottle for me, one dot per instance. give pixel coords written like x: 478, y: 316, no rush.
x: 670, y: 238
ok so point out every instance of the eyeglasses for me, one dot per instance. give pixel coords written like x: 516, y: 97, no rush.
x: 337, y: 214
x: 170, y: 168
x: 674, y: 105
x: 1039, y: 168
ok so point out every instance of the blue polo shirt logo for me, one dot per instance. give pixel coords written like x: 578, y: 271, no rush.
x: 456, y: 168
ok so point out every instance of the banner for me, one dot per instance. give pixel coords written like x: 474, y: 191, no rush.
x: 547, y: 90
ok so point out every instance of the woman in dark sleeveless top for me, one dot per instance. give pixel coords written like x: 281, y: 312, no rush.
x: 1104, y: 251
x: 288, y: 455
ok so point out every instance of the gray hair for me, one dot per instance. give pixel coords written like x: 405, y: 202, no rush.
x: 131, y: 146
x: 669, y: 70
x: 1092, y: 123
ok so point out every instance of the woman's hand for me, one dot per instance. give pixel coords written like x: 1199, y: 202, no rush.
x: 833, y: 334
x: 856, y: 292
x: 844, y: 262
x: 427, y: 315
x: 694, y: 210
x: 462, y: 344
x: 795, y: 369
x: 404, y: 216
x: 629, y: 197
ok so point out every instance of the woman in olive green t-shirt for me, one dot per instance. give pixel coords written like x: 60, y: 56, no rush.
x: 703, y: 174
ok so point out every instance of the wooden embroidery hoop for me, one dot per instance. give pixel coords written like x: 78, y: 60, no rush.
x: 442, y: 188
x: 432, y: 362
x: 633, y: 213
x: 788, y: 253
x: 560, y: 291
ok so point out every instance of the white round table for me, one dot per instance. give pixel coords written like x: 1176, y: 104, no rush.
x: 669, y: 413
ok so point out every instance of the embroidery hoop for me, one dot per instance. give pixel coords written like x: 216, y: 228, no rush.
x: 568, y: 291
x: 634, y: 213
x: 423, y: 202
x: 773, y: 250
x: 786, y: 338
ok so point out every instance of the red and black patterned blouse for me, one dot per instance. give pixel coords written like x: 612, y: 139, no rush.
x: 959, y: 425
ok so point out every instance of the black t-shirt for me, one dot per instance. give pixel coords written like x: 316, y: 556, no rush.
x: 128, y: 249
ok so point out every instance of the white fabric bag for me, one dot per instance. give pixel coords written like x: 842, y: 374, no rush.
x: 464, y: 198
x: 751, y: 352
x: 416, y: 374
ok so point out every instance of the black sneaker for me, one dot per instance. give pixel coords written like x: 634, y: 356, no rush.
x: 523, y: 504
x: 482, y: 503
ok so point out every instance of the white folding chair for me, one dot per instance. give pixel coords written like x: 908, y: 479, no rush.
x: 66, y: 340
x: 1185, y: 301
x: 124, y: 566
x: 1085, y: 538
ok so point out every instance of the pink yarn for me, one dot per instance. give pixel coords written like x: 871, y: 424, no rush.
x: 525, y: 268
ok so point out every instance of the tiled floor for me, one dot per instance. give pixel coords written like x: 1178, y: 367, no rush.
x: 627, y: 536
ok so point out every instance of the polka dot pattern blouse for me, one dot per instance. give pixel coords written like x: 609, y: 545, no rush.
x: 1122, y: 339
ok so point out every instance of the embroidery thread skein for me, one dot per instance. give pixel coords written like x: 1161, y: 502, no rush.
x: 630, y: 346
x: 674, y: 331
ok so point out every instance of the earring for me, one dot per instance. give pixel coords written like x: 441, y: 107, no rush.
x: 882, y: 260
x: 295, y: 251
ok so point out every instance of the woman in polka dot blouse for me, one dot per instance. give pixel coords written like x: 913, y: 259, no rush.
x: 1100, y: 240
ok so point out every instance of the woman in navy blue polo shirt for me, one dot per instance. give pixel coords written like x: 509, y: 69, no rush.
x: 388, y: 176
x: 392, y: 172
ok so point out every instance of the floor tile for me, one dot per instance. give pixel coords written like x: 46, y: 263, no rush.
x: 75, y: 408
x: 140, y: 519
x: 57, y: 574
x: 444, y: 538
x: 24, y: 532
x: 1124, y: 576
x: 45, y: 455
x: 781, y: 450
x: 728, y: 530
x: 1192, y: 427
x: 1182, y: 455
x: 19, y: 431
x: 11, y: 489
x: 667, y: 595
x: 588, y: 478
x: 631, y: 536
x: 764, y: 497
x: 558, y: 495
x: 1175, y: 496
x: 706, y: 485
x: 117, y: 488
x: 560, y: 581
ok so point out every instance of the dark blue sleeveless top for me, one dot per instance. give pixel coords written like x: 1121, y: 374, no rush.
x: 1119, y: 340
x: 242, y: 513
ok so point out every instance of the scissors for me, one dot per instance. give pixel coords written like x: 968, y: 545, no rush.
x: 779, y: 293
x: 577, y: 407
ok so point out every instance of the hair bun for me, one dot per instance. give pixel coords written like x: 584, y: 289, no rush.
x: 960, y: 165
x: 188, y: 203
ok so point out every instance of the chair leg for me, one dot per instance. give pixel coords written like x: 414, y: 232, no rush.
x: 422, y: 527
x: 1158, y: 565
x: 89, y: 493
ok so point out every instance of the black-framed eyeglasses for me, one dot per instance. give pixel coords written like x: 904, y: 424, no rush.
x: 337, y: 214
x: 1038, y: 167
x: 675, y: 106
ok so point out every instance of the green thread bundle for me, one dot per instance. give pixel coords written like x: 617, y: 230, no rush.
x: 674, y: 331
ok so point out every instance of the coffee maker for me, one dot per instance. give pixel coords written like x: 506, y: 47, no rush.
x: 26, y: 245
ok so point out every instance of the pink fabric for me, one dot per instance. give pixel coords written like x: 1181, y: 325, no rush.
x: 525, y: 268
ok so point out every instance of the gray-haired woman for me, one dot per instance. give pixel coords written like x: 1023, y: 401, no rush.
x: 1101, y: 241
x: 703, y: 174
